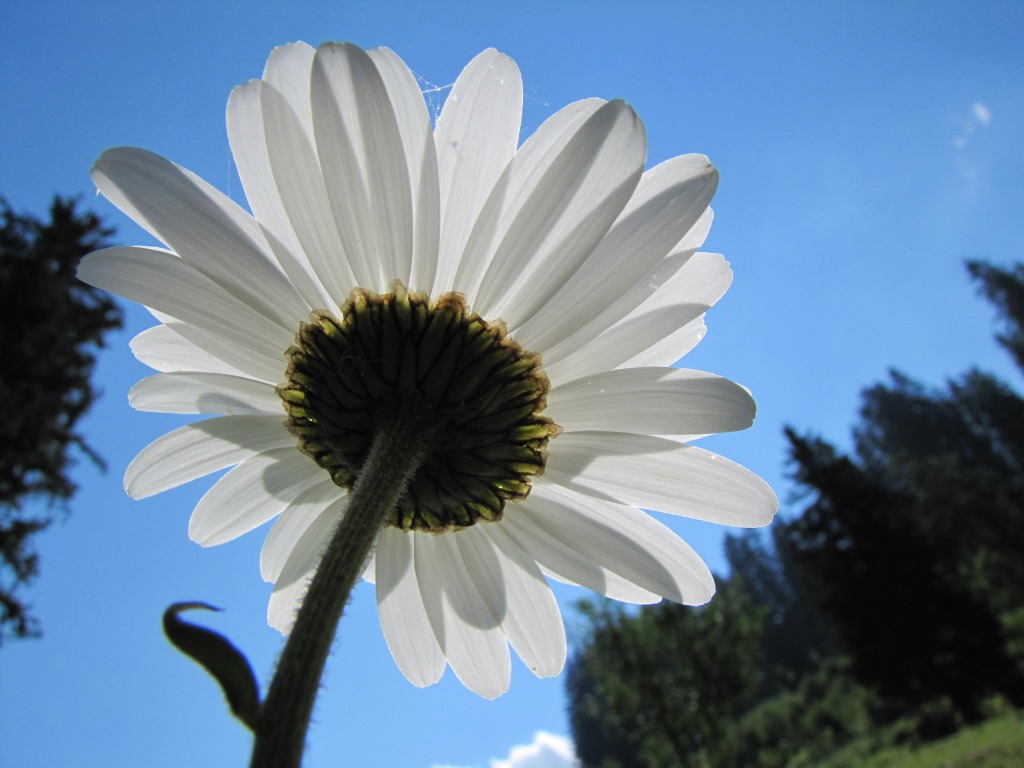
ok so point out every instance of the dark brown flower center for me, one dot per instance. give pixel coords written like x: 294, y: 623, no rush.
x: 346, y: 377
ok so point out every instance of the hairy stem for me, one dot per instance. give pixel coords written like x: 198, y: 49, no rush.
x: 398, y: 450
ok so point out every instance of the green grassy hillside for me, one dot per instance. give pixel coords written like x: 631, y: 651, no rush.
x: 995, y: 743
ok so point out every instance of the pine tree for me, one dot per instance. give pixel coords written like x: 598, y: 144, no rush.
x: 916, y: 543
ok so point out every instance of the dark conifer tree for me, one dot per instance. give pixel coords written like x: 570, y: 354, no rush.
x: 915, y: 632
x: 916, y: 544
x: 51, y: 324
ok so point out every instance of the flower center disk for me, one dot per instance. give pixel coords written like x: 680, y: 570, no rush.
x: 347, y: 377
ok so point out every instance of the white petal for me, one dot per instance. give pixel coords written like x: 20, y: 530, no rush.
x: 668, y: 202
x: 364, y: 164
x: 288, y: 72
x: 198, y: 449
x: 622, y: 539
x: 284, y: 604
x: 248, y: 139
x: 161, y: 280
x: 655, y: 323
x: 309, y: 547
x: 300, y: 565
x: 682, y: 323
x: 672, y: 347
x: 510, y: 580
x: 261, y: 365
x: 250, y: 494
x: 553, y: 213
x: 301, y: 561
x: 705, y: 279
x: 293, y: 522
x: 476, y: 135
x: 369, y: 574
x: 203, y: 393
x: 208, y: 230
x: 403, y: 617
x: 580, y: 345
x: 421, y: 160
x: 513, y: 188
x: 652, y: 401
x: 463, y: 624
x: 163, y: 349
x: 570, y: 563
x: 656, y: 473
x: 698, y: 232
x: 298, y: 178
x: 289, y: 126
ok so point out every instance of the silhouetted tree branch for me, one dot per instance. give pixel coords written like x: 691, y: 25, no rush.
x: 51, y: 324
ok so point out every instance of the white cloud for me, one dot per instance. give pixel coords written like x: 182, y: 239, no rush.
x: 981, y: 113
x: 547, y: 750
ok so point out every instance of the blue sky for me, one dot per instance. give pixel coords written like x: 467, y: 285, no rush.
x: 865, y: 149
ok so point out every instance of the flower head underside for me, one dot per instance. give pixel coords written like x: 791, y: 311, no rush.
x: 532, y: 298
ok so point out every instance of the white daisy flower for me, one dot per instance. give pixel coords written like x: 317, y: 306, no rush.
x: 531, y: 298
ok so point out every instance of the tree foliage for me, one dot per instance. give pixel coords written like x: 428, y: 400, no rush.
x: 657, y: 689
x: 896, y: 592
x: 1004, y: 288
x: 795, y: 637
x: 667, y: 686
x: 52, y: 323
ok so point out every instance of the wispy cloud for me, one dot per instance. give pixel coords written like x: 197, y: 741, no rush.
x: 970, y: 156
x: 979, y: 117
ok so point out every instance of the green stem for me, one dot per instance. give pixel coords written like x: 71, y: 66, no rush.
x: 398, y: 450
